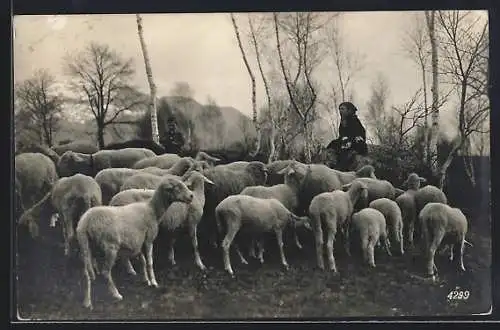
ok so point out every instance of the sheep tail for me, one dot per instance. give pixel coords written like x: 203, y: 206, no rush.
x: 86, y: 253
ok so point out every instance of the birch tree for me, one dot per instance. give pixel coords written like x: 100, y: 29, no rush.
x: 464, y: 46
x: 252, y: 80
x: 152, y: 86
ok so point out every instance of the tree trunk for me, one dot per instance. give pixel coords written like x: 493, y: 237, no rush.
x: 152, y: 86
x: 444, y: 168
x: 272, y: 144
x: 100, y: 134
x: 252, y: 79
x: 433, y: 132
x: 307, y: 146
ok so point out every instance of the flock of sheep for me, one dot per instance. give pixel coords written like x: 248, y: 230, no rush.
x: 111, y: 204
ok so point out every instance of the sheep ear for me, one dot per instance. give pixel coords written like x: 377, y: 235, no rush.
x: 398, y: 192
x: 286, y: 170
x: 207, y: 180
x: 422, y: 180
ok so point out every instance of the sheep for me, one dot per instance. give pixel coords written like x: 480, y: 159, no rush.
x: 441, y: 222
x: 199, y: 165
x: 239, y: 165
x: 370, y: 225
x: 129, y: 196
x: 33, y: 148
x: 126, y: 230
x: 423, y: 196
x: 376, y: 189
x: 227, y: 182
x: 406, y: 203
x: 258, y: 214
x: 137, y: 143
x: 203, y: 156
x: 80, y: 147
x: 111, y: 179
x: 70, y: 197
x: 333, y: 210
x: 286, y: 193
x: 35, y: 175
x: 393, y: 218
x: 274, y: 168
x: 188, y: 215
x: 366, y: 171
x: 144, y: 181
x: 164, y: 161
x: 72, y: 162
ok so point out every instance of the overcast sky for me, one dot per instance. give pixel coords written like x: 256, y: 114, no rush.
x: 201, y: 49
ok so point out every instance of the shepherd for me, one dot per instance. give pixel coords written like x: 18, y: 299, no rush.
x: 351, y: 143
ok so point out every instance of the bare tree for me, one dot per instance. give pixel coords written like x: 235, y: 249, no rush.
x: 100, y: 78
x: 38, y: 106
x: 252, y: 79
x: 376, y: 114
x: 433, y: 132
x: 152, y: 86
x: 182, y: 89
x: 418, y: 46
x: 299, y: 29
x: 464, y: 45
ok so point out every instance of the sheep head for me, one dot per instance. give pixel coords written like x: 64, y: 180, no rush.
x: 357, y: 190
x: 195, y: 179
x: 168, y: 191
x: 366, y: 171
x: 73, y: 162
x: 259, y: 171
x: 413, y: 182
x: 206, y: 157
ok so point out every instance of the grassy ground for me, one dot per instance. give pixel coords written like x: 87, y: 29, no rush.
x: 391, y: 289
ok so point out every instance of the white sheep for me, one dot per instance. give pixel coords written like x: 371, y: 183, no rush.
x: 187, y: 215
x: 332, y: 210
x: 424, y: 196
x: 126, y: 230
x: 129, y: 196
x: 440, y: 222
x: 254, y: 214
x: 376, y: 189
x: 144, y: 181
x: 164, y: 161
x: 406, y: 203
x: 286, y: 193
x: 394, y: 220
x: 370, y: 225
x: 111, y: 179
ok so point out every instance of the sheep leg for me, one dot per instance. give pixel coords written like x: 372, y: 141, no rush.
x: 260, y: 246
x: 109, y: 261
x: 194, y: 241
x: 347, y: 245
x: 149, y: 261
x: 318, y: 235
x: 297, y: 241
x: 87, y: 300
x: 226, y: 243
x: 387, y: 246
x: 400, y: 240
x: 371, y: 254
x: 431, y: 252
x: 95, y: 266
x: 240, y: 255
x: 145, y: 275
x: 331, y: 232
x: 411, y: 230
x: 128, y: 266
x: 171, y: 248
x: 279, y: 238
x: 251, y: 252
x: 461, y: 254
x: 452, y: 246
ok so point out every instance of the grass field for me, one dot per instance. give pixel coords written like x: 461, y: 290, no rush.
x: 267, y: 291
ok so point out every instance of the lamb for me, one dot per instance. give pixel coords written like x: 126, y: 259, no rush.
x: 406, y: 203
x: 128, y: 231
x: 257, y: 214
x: 144, y: 181
x: 164, y: 161
x: 376, y: 189
x: 274, y: 169
x: 425, y: 195
x: 332, y: 210
x: 315, y: 179
x: 35, y: 174
x: 286, y: 193
x: 70, y: 197
x: 111, y: 179
x: 80, y: 147
x: 370, y: 225
x: 393, y: 218
x: 129, y: 196
x: 72, y: 162
x: 441, y: 222
x: 137, y: 143
x: 226, y: 183
x: 188, y: 215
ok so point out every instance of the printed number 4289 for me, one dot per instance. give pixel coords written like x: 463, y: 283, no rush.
x: 458, y: 295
